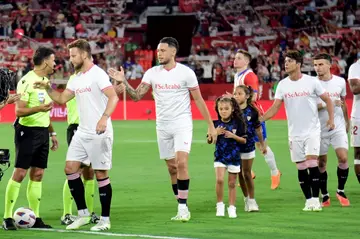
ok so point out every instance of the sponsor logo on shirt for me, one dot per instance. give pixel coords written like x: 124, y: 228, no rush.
x: 83, y: 90
x: 167, y: 86
x: 297, y: 94
x: 333, y: 94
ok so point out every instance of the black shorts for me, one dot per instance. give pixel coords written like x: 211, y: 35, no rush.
x: 32, y: 147
x: 70, y: 132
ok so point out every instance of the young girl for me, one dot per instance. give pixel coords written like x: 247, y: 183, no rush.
x: 243, y: 95
x: 231, y: 130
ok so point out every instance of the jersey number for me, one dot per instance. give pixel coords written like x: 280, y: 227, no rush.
x: 355, y: 129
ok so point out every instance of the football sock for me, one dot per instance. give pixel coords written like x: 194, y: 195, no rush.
x: 175, y: 190
x: 67, y: 199
x: 34, y: 190
x: 303, y: 178
x: 105, y: 192
x: 89, y: 194
x: 77, y: 191
x: 183, y: 190
x: 323, y: 183
x: 270, y: 160
x: 342, y: 177
x: 11, y: 195
x: 314, y: 174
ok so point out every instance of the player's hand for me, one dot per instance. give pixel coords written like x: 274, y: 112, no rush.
x: 338, y: 103
x: 220, y: 130
x: 101, y: 125
x: 228, y: 134
x: 55, y: 143
x: 41, y: 85
x: 13, y: 98
x: 119, y: 89
x: 330, y: 124
x: 45, y: 107
x: 212, y: 132
x: 117, y: 75
x: 262, y: 148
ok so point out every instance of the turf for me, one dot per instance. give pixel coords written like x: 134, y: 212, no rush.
x: 143, y: 201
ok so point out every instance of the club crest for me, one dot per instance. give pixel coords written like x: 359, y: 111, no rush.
x: 234, y: 131
x: 248, y: 118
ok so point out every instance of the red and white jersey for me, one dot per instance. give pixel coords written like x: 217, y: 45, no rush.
x: 335, y: 88
x: 171, y: 93
x: 354, y: 73
x: 88, y: 88
x: 300, y: 98
x: 248, y: 78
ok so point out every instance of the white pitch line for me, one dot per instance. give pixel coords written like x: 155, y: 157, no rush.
x: 108, y: 234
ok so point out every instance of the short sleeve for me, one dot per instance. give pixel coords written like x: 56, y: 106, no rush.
x: 191, y: 81
x: 252, y: 80
x: 240, y: 131
x: 279, y: 92
x: 343, y: 88
x: 319, y: 89
x: 354, y: 72
x: 147, y: 77
x: 25, y: 89
x: 103, y: 81
x: 255, y: 118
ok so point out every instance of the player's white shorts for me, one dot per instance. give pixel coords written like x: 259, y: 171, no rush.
x: 300, y: 148
x: 355, y: 133
x: 336, y: 140
x: 171, y: 140
x: 91, y: 149
x: 230, y: 168
x: 247, y: 156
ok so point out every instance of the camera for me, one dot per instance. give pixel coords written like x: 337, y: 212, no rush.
x: 4, y: 161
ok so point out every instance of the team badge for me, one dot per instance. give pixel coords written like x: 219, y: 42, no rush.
x: 234, y: 131
x: 248, y: 118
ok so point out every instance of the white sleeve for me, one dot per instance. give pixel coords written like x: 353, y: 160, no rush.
x: 191, y: 81
x: 354, y: 71
x: 319, y: 89
x: 343, y: 86
x: 279, y: 94
x: 147, y: 77
x: 103, y: 81
x: 70, y: 86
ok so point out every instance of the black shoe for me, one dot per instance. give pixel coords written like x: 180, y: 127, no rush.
x: 40, y: 224
x: 9, y: 224
x: 94, y: 218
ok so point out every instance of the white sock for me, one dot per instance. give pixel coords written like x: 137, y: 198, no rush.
x: 105, y: 219
x: 220, y: 203
x: 182, y: 206
x: 84, y: 213
x: 270, y: 160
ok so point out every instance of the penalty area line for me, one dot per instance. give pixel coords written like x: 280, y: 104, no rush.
x: 109, y: 234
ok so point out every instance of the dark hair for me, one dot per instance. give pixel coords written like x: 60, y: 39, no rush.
x: 245, y: 53
x: 295, y: 55
x: 237, y: 114
x: 41, y: 54
x: 172, y: 42
x: 248, y: 92
x: 82, y: 45
x: 323, y: 56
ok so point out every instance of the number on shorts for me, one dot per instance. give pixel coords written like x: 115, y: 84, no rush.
x: 355, y: 129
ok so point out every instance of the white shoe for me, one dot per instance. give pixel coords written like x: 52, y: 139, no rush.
x: 183, y: 214
x: 253, y: 207
x: 316, y: 205
x: 232, y: 211
x: 308, y: 205
x: 102, y: 225
x: 246, y: 207
x: 79, y: 222
x: 220, y: 209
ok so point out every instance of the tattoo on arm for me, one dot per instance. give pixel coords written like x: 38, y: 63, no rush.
x: 139, y: 92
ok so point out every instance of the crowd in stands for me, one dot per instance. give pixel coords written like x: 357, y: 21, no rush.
x: 265, y: 30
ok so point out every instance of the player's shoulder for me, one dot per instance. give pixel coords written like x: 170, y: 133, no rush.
x: 338, y: 79
x: 98, y: 71
x: 250, y: 74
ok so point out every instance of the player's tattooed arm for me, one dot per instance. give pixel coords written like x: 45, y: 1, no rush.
x: 140, y: 91
x: 355, y: 86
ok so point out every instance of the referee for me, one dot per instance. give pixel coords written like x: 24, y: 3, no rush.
x: 32, y: 131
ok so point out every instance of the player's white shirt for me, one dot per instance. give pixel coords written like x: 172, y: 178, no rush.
x: 171, y: 94
x: 335, y: 88
x: 88, y: 88
x: 354, y: 73
x: 300, y: 99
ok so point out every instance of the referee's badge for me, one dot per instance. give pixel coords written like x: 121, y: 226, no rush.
x: 41, y: 97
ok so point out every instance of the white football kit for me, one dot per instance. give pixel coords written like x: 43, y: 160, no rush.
x: 354, y: 73
x: 337, y: 138
x: 87, y: 146
x: 300, y: 99
x: 174, y: 124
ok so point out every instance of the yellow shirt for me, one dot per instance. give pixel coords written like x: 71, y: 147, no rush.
x: 72, y: 111
x: 33, y: 97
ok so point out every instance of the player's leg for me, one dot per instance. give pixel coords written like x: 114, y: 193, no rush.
x: 312, y: 151
x: 324, y: 147
x: 247, y: 161
x: 269, y: 159
x: 355, y: 142
x: 244, y: 190
x: 89, y: 184
x: 172, y: 168
x: 101, y: 161
x: 220, y: 170
x: 233, y: 172
x: 24, y: 152
x: 76, y: 156
x: 340, y: 144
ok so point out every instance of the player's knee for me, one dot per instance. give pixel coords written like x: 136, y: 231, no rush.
x: 172, y: 169
x: 101, y: 174
x: 36, y: 174
x: 71, y: 167
x: 219, y: 181
x: 357, y: 153
x: 322, y: 165
x: 19, y: 174
x: 88, y: 173
x: 231, y: 184
x: 247, y: 175
x: 182, y: 165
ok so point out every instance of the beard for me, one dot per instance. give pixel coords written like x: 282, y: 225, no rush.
x: 164, y: 62
x: 78, y: 67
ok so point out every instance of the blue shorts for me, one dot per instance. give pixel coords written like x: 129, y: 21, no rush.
x: 263, y: 127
